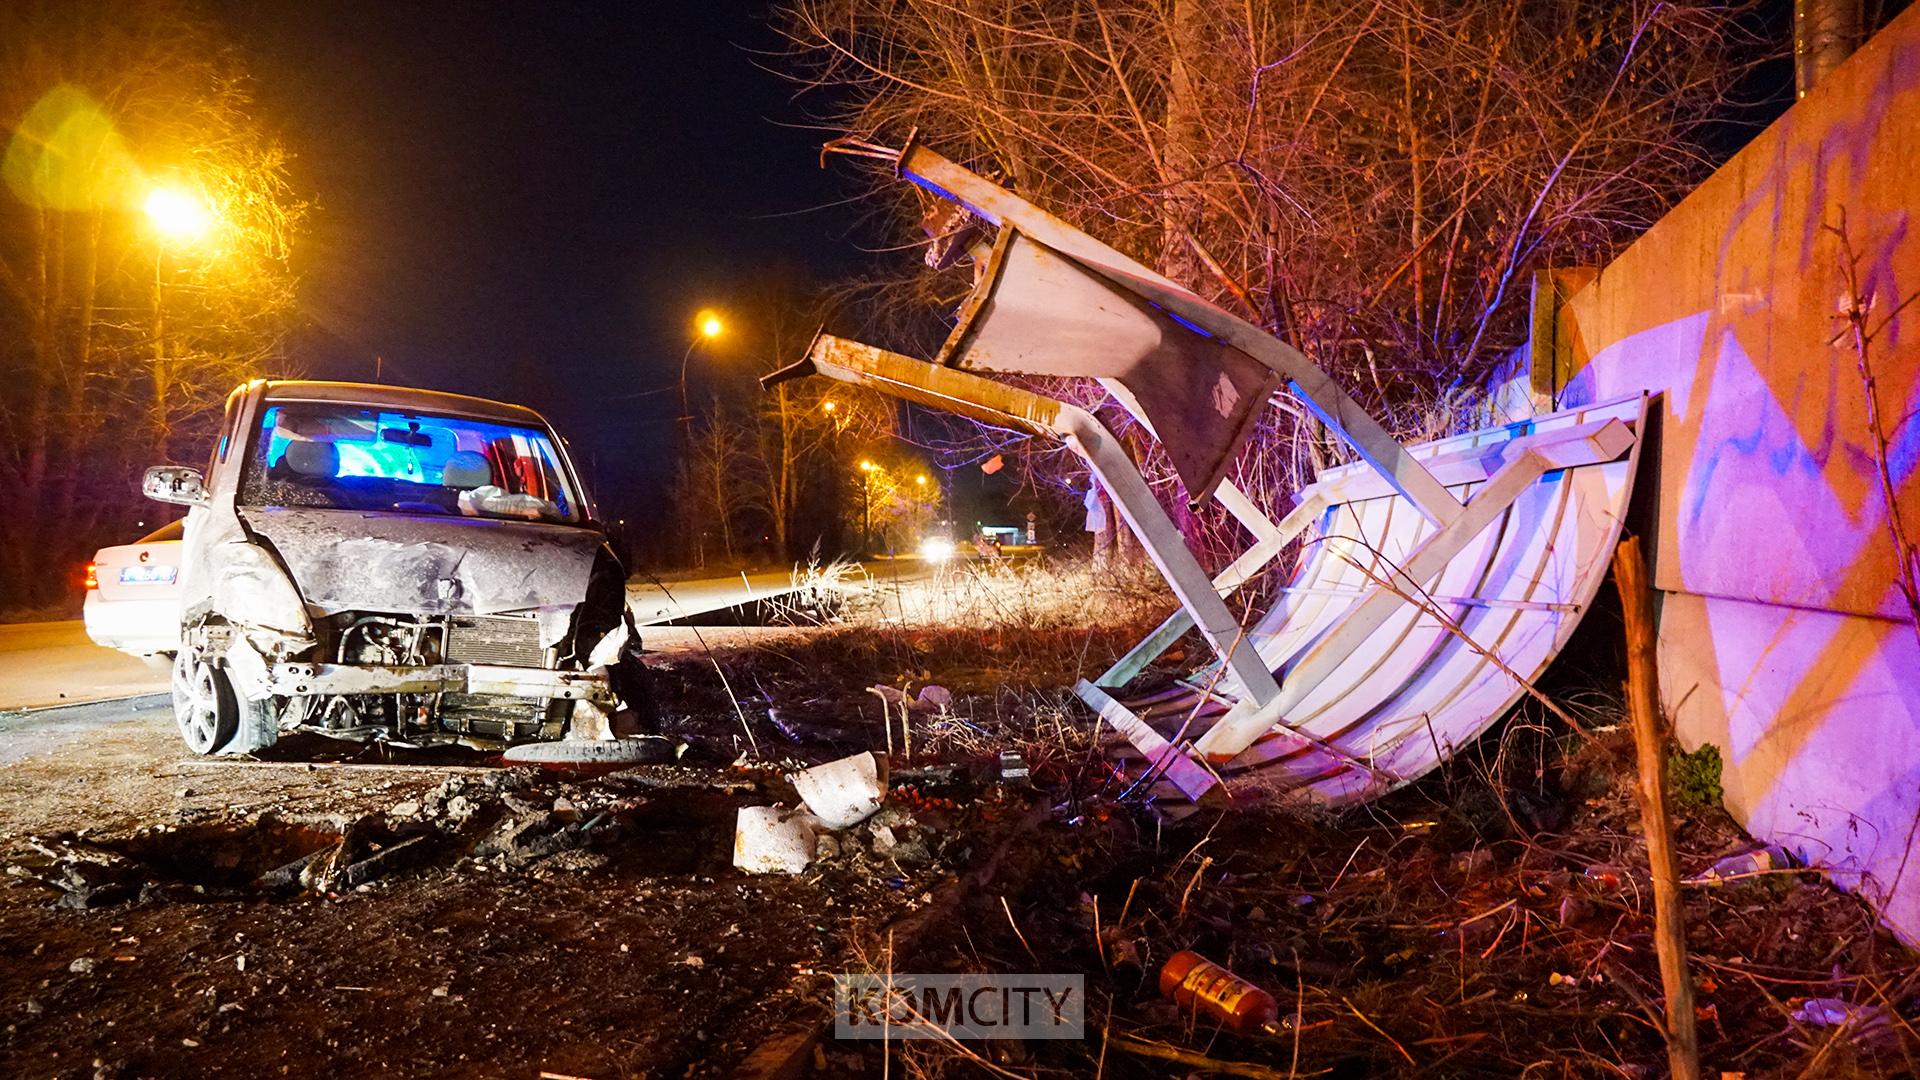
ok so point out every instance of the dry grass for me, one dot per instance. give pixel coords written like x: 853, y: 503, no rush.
x: 1450, y: 929
x: 993, y: 626
x: 1041, y: 594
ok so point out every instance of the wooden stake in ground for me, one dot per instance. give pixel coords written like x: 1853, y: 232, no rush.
x: 1650, y: 745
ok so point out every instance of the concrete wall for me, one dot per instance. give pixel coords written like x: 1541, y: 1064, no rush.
x: 1784, y: 639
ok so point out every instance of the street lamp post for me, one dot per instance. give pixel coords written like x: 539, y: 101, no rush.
x: 866, y: 506
x: 180, y: 217
x: 707, y: 327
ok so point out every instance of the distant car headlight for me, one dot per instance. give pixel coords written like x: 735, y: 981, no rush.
x: 936, y: 549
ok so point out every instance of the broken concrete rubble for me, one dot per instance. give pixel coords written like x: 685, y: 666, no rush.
x: 844, y: 792
x: 774, y: 840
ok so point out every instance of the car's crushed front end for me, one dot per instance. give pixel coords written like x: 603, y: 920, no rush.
x: 426, y: 629
x: 394, y: 565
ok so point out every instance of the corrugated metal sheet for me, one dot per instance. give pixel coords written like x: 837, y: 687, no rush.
x: 1441, y: 669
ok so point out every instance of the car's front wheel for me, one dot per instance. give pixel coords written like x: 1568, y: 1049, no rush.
x: 203, y: 704
x: 212, y: 717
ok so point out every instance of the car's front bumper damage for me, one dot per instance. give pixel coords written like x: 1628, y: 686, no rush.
x: 313, y: 679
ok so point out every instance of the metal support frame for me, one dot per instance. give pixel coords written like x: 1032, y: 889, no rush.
x: 1170, y: 762
x: 1251, y: 562
x: 1101, y: 297
x: 997, y: 403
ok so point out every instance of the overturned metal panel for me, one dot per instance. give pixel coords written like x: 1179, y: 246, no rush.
x: 1183, y: 311
x: 1389, y: 664
x: 1038, y: 312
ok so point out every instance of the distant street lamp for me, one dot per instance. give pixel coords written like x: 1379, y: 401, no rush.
x: 708, y: 326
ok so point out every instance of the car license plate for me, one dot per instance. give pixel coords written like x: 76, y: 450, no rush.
x: 148, y: 575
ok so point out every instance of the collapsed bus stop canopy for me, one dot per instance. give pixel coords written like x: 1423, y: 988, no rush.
x: 1433, y: 583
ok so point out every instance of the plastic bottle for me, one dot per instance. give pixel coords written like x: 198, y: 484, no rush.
x: 1199, y: 985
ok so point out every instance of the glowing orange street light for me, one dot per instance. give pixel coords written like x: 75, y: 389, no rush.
x: 708, y: 326
x: 921, y: 480
x: 178, y: 215
x: 866, y: 504
x: 827, y: 406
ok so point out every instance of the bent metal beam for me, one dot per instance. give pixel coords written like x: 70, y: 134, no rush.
x: 997, y: 403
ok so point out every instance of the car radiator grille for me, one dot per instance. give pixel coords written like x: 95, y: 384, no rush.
x: 509, y: 641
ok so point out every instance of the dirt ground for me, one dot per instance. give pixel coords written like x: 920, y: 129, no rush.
x: 639, y: 951
x: 163, y: 916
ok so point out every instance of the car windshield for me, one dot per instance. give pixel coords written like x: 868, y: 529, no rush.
x: 354, y: 457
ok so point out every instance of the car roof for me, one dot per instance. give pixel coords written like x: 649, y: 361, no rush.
x: 404, y: 397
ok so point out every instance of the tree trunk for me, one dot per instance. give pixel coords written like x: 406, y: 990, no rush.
x: 783, y: 478
x: 1650, y: 745
x: 1185, y: 141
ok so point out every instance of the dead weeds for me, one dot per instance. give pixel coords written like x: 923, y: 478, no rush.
x: 1493, y: 919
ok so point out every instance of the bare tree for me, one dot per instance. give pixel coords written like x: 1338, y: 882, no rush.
x: 116, y: 343
x: 1369, y: 179
x: 717, y: 491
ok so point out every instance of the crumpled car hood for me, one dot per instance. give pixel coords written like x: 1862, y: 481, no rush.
x: 350, y: 560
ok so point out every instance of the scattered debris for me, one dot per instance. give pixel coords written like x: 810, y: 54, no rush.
x: 844, y: 792
x: 1833, y: 1012
x: 1757, y: 859
x: 774, y: 840
x: 1200, y: 986
x: 588, y: 756
x: 931, y: 698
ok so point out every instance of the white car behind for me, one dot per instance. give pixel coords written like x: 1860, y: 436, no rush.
x: 133, y: 594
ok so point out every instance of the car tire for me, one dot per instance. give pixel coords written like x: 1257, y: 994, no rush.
x: 203, y: 704
x: 256, y: 727
x: 212, y: 717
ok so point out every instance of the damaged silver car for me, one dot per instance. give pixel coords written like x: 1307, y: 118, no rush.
x: 388, y: 564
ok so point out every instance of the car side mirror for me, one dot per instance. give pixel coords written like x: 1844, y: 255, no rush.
x: 175, y: 484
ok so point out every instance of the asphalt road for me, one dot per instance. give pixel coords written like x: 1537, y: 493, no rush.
x: 53, y: 663
x: 658, y: 602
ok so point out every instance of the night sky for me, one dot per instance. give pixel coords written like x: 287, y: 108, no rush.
x: 531, y: 201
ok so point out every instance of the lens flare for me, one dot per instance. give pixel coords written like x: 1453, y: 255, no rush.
x: 66, y: 155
